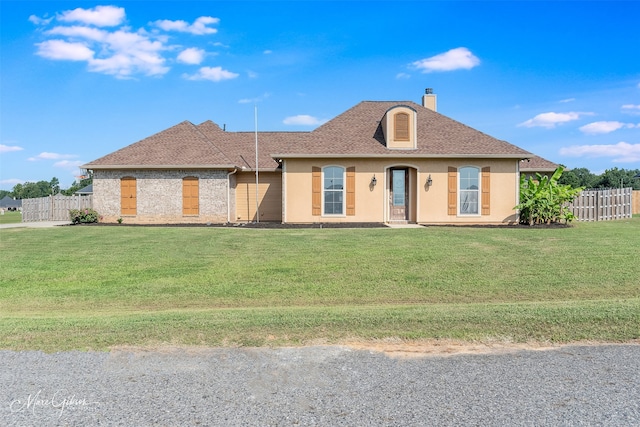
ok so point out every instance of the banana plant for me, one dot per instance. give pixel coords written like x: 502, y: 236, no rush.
x: 543, y: 200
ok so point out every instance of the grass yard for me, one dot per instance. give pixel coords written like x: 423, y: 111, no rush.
x: 10, y: 217
x: 92, y: 287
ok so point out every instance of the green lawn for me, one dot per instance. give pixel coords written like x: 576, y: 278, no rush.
x: 92, y: 287
x: 10, y: 217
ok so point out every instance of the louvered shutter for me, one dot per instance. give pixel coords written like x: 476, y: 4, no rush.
x: 401, y: 126
x: 453, y: 190
x: 316, y: 191
x: 486, y: 190
x: 351, y: 191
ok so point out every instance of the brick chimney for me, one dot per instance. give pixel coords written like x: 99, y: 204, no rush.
x: 429, y: 100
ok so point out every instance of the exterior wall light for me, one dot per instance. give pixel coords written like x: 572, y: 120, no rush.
x: 429, y: 181
x: 374, y: 181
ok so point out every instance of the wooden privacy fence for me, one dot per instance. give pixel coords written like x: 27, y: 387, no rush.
x: 53, y: 208
x: 603, y: 204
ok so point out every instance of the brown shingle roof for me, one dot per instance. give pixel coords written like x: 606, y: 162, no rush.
x: 537, y: 164
x: 356, y: 132
x: 181, y: 145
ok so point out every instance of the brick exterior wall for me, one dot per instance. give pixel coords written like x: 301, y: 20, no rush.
x: 159, y: 196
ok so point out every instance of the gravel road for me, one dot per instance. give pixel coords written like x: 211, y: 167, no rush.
x: 324, y: 386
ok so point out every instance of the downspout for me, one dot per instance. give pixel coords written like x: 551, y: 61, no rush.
x: 229, y: 194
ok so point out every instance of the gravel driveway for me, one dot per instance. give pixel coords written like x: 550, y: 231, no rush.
x: 324, y: 385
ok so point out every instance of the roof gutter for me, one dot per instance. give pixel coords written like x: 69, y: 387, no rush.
x: 196, y: 166
x: 398, y: 155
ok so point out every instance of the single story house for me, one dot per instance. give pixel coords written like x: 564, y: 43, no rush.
x: 379, y: 161
x: 10, y: 204
x: 85, y: 191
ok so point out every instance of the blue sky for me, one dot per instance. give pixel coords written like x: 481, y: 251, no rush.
x: 82, y: 79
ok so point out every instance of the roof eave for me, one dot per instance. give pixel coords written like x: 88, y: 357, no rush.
x: 397, y: 154
x: 185, y: 166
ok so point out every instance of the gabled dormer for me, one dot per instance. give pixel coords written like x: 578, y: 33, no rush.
x: 399, y: 127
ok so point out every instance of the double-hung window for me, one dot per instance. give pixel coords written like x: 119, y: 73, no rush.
x: 469, y: 191
x: 333, y: 190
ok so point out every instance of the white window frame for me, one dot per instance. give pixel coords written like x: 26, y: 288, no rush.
x: 324, y: 191
x: 478, y: 191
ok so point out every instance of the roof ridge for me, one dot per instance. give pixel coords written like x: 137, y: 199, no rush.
x: 197, y: 128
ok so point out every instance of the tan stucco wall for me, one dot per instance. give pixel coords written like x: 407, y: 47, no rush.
x: 372, y: 203
x: 388, y: 128
x: 159, y: 196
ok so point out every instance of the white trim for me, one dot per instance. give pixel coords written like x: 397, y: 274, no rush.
x: 344, y: 192
x: 478, y: 199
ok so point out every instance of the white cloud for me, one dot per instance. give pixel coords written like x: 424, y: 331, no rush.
x: 11, y: 181
x: 100, y: 16
x: 551, y: 119
x: 255, y: 100
x: 215, y: 74
x: 199, y: 26
x: 454, y: 59
x: 9, y: 148
x: 403, y: 76
x: 39, y: 21
x: 630, y: 109
x: 601, y: 127
x: 122, y: 53
x: 564, y: 101
x: 622, y: 151
x: 51, y: 156
x: 191, y: 55
x: 267, y: 52
x: 302, y: 120
x: 68, y: 164
x: 62, y: 50
x: 79, y: 31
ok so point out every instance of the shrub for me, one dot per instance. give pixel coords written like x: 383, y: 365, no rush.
x: 543, y: 200
x: 83, y: 216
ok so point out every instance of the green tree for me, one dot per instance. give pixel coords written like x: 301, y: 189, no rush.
x: 578, y: 177
x: 78, y: 185
x: 30, y: 190
x: 55, y: 185
x: 616, y: 178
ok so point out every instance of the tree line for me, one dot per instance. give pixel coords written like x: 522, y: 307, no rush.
x: 611, y: 178
x: 31, y: 190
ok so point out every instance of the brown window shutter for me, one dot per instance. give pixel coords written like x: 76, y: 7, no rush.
x: 128, y: 199
x: 453, y: 190
x: 316, y: 190
x: 351, y: 191
x: 401, y: 122
x: 486, y: 190
x: 190, y: 196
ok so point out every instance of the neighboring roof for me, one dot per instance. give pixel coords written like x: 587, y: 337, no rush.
x: 86, y: 190
x: 8, y: 202
x: 355, y: 133
x: 537, y: 164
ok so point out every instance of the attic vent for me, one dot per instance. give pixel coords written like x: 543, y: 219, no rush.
x: 401, y: 126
